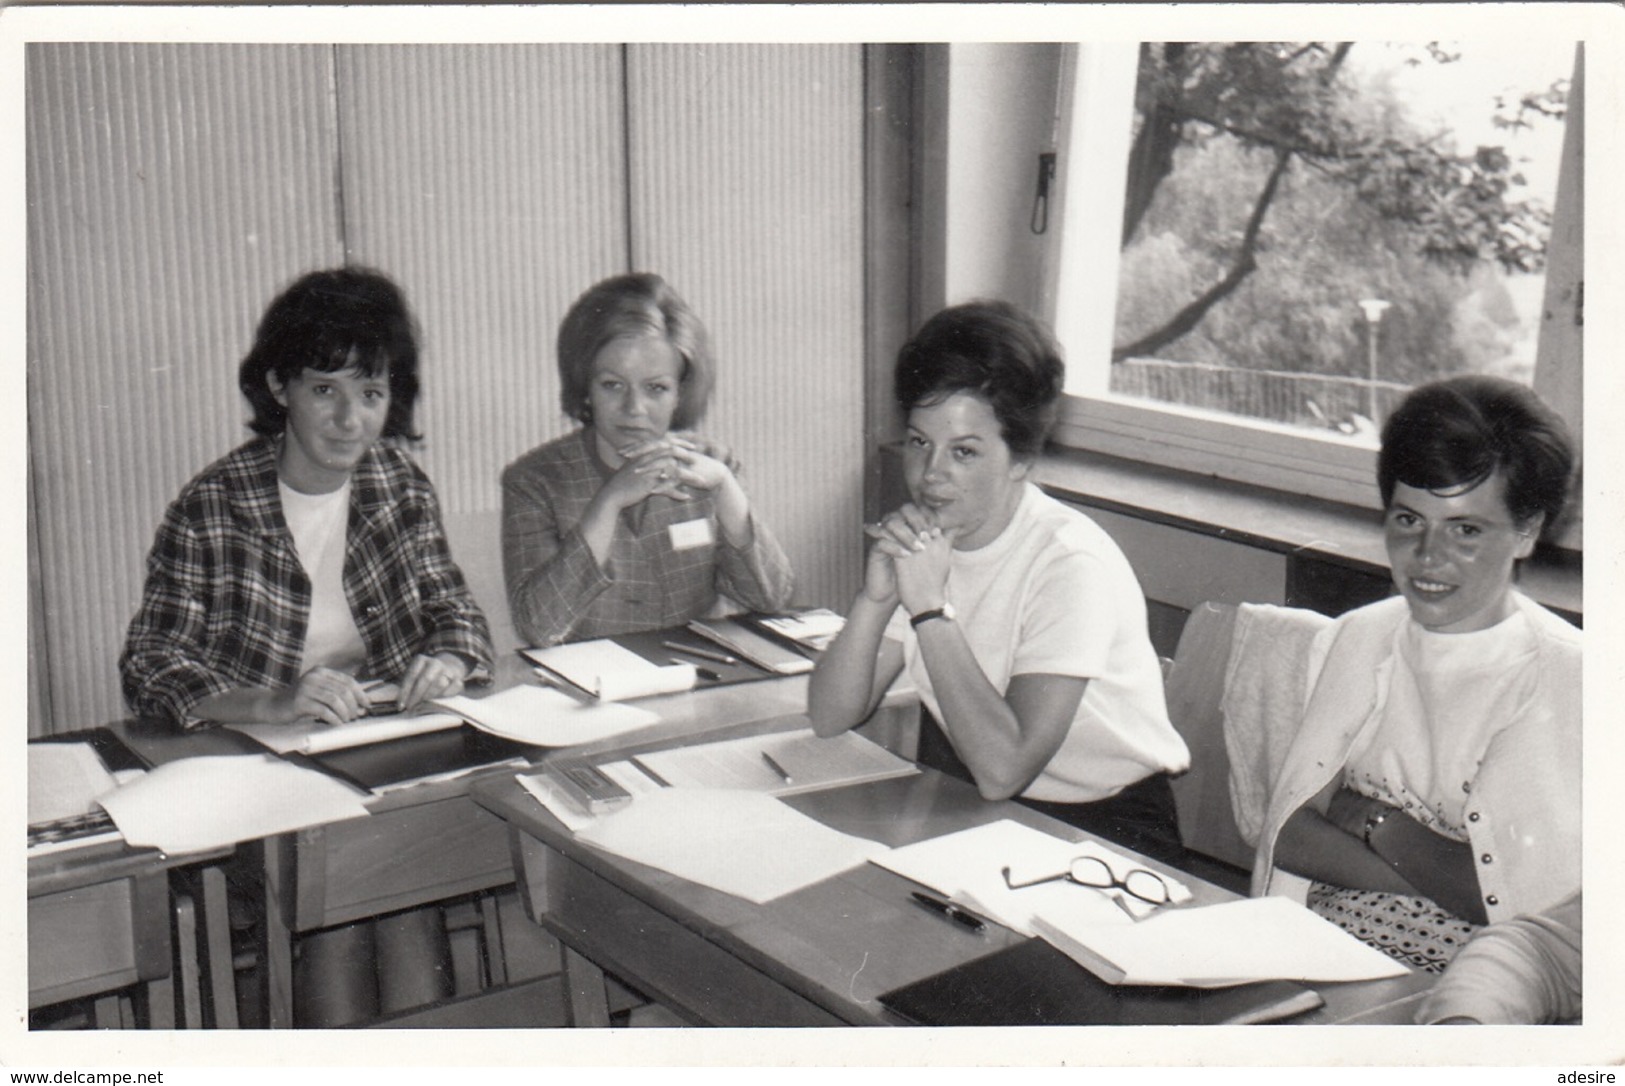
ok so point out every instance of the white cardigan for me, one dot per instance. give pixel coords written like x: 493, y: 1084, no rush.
x: 1524, y: 815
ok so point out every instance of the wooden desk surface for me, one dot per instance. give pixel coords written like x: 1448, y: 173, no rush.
x: 431, y: 842
x: 822, y: 955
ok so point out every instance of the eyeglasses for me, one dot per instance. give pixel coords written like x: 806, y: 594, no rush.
x: 1094, y: 872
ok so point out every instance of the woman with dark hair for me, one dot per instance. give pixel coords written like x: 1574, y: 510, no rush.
x: 1434, y: 785
x: 1019, y: 619
x: 312, y: 558
x: 632, y: 522
x: 304, y: 563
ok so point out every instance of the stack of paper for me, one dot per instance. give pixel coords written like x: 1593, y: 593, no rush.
x: 813, y: 629
x: 757, y: 648
x: 64, y: 780
x: 547, y: 718
x: 610, y: 671
x: 779, y: 764
x: 533, y: 715
x: 968, y: 867
x: 742, y: 843
x: 202, y: 803
x: 1215, y: 946
x: 314, y: 736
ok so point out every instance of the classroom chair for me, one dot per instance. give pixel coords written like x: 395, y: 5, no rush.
x: 1235, y: 692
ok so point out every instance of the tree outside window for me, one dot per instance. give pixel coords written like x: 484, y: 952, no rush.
x: 1274, y: 186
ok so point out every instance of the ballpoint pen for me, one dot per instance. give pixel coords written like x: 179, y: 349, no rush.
x: 776, y: 767
x: 703, y: 654
x: 948, y: 909
x: 642, y: 767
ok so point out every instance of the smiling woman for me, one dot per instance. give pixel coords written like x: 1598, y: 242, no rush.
x: 293, y: 570
x: 335, y: 565
x: 1434, y: 784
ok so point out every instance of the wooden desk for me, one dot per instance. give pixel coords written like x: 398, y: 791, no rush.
x: 99, y: 923
x: 430, y: 843
x: 820, y: 956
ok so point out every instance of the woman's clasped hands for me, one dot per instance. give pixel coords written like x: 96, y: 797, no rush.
x: 909, y: 559
x: 677, y: 466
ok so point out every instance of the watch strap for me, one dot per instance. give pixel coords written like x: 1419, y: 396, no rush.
x: 926, y: 616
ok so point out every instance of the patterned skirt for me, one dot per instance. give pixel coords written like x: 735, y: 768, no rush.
x: 1412, y: 929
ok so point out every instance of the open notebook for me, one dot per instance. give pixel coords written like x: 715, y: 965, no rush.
x: 532, y: 715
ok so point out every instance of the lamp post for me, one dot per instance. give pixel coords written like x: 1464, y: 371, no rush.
x: 1373, y: 308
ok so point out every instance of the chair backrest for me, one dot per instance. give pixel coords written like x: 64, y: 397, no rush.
x: 475, y: 540
x: 1195, y: 691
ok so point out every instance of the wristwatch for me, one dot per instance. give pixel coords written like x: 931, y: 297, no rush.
x: 1372, y: 821
x: 945, y: 611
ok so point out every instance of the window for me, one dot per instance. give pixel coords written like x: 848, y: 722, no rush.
x: 1282, y: 238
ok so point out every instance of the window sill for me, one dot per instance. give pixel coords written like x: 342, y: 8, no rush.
x: 1269, y: 520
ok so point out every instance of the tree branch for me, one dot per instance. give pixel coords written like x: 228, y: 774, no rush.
x: 1245, y: 263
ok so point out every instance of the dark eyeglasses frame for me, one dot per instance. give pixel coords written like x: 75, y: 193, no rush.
x: 1112, y: 881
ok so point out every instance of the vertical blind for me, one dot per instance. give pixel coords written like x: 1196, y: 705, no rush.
x: 173, y: 189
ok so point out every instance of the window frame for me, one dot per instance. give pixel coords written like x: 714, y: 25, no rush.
x: 1093, y: 168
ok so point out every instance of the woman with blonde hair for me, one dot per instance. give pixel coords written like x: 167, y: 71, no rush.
x: 632, y: 522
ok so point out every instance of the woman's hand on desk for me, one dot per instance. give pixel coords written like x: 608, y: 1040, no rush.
x: 437, y: 676
x: 333, y: 697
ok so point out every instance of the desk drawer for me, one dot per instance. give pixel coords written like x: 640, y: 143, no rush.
x: 398, y: 859
x: 97, y: 938
x: 676, y: 965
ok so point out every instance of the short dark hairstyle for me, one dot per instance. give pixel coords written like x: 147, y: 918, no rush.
x: 329, y: 321
x: 638, y: 304
x: 995, y: 351
x: 1453, y: 434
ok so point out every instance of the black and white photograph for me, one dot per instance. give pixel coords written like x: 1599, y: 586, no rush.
x: 1080, y: 510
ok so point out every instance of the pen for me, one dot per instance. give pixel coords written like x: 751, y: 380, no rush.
x: 708, y: 675
x: 703, y: 654
x: 950, y: 910
x: 776, y: 767
x: 638, y: 764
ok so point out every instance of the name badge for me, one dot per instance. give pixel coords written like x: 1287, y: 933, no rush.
x: 690, y: 534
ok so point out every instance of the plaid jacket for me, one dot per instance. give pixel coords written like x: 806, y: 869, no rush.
x: 558, y: 592
x: 226, y: 600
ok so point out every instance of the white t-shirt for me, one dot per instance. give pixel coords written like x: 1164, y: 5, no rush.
x: 320, y: 523
x: 1448, y: 695
x: 1053, y: 594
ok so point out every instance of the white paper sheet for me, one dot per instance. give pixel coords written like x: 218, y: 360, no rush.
x: 64, y: 780
x: 201, y: 803
x: 611, y: 671
x: 547, y: 718
x: 742, y: 843
x: 315, y: 737
x: 968, y: 867
x: 1215, y: 946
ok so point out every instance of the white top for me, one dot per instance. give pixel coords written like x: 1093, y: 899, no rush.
x: 1053, y: 594
x: 319, y: 523
x: 1445, y: 702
